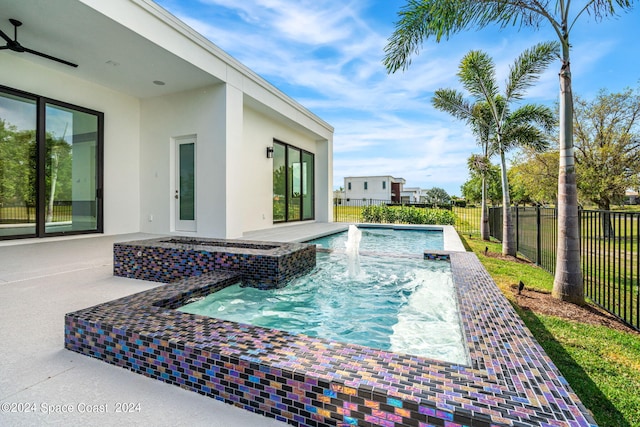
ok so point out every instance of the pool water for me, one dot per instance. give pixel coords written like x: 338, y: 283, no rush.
x: 404, y: 305
x: 387, y: 240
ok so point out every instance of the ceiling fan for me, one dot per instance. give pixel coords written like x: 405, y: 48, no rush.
x: 15, y: 46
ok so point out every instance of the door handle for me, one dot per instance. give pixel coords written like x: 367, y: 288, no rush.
x: 176, y: 196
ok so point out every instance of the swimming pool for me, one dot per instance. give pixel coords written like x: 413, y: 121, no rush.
x: 308, y: 381
x: 404, y: 305
x: 387, y: 240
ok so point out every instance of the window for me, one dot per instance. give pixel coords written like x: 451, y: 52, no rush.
x: 50, y: 167
x: 384, y: 185
x: 366, y: 185
x: 293, y: 183
x: 348, y: 186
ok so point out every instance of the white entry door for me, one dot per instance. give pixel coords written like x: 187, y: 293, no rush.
x: 185, y: 184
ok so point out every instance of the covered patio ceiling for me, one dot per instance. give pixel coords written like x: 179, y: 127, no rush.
x: 107, y: 52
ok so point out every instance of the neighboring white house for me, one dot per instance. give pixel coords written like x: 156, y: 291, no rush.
x: 379, y: 188
x: 161, y: 130
x: 631, y: 197
x: 411, y: 195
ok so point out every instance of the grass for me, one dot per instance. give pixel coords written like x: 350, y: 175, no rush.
x: 602, y: 365
x: 505, y: 273
x: 343, y: 213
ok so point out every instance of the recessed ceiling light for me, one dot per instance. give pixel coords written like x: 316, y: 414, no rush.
x: 159, y: 82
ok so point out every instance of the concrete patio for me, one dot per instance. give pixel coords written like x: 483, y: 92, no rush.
x: 41, y: 383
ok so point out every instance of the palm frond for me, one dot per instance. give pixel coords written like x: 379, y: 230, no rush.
x: 420, y: 20
x: 600, y: 9
x: 479, y: 163
x: 540, y: 115
x: 451, y: 101
x: 407, y: 38
x: 525, y: 135
x: 483, y: 126
x: 528, y: 67
x: 477, y: 74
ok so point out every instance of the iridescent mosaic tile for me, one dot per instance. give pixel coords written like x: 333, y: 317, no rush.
x: 307, y: 381
x: 262, y: 264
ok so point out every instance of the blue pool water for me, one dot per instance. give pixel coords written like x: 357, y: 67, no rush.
x: 386, y: 240
x: 404, y: 305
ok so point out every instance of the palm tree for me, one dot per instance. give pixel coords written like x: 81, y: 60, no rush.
x: 493, y: 116
x: 421, y: 19
x: 480, y: 164
x: 478, y: 116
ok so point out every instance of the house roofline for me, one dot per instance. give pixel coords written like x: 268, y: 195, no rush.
x: 182, y: 28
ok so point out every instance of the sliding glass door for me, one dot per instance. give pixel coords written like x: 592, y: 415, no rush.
x: 50, y: 167
x: 293, y: 183
x: 71, y: 165
x: 18, y: 159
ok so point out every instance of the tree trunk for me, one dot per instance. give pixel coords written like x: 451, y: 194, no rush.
x: 567, y: 284
x: 508, y: 241
x: 484, y: 217
x: 605, y: 217
x: 54, y: 181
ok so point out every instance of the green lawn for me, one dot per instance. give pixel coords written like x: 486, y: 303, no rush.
x: 602, y: 365
x: 468, y: 220
x: 342, y: 213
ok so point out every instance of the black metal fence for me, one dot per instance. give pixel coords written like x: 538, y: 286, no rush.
x: 610, y: 252
x: 14, y: 213
x: 350, y: 210
x: 467, y: 219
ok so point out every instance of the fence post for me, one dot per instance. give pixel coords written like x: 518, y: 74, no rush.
x: 538, y: 236
x: 335, y: 209
x: 517, y: 227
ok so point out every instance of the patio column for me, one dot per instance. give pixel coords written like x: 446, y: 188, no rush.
x: 235, y: 171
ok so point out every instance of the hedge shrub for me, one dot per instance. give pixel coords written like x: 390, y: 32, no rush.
x: 406, y: 215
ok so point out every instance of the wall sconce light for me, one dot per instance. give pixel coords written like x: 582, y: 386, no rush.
x: 269, y: 152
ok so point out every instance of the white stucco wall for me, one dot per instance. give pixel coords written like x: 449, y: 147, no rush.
x: 121, y: 133
x: 200, y: 113
x: 234, y: 176
x: 374, y: 188
x: 257, y: 184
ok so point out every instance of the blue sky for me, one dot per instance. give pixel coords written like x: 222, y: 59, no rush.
x: 327, y: 54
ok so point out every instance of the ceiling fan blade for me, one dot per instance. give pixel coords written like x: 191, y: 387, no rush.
x: 53, y: 58
x: 4, y: 47
x: 4, y: 36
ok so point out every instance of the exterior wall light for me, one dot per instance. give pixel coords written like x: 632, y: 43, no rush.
x: 269, y: 152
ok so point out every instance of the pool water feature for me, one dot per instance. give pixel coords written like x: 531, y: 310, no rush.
x: 354, y: 235
x: 404, y: 305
